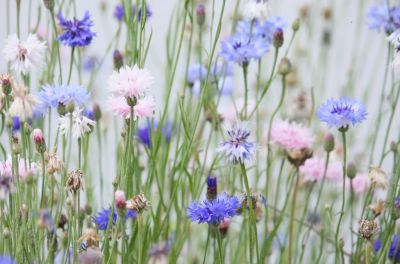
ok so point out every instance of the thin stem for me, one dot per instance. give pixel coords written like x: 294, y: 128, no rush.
x: 292, y: 213
x: 70, y: 65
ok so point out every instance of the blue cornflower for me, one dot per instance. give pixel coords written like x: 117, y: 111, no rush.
x: 378, y: 17
x: 196, y: 72
x: 212, y: 189
x: 237, y: 148
x: 242, y: 48
x: 53, y: 95
x: 342, y: 112
x: 89, y: 63
x: 214, y: 211
x: 377, y: 245
x: 89, y: 114
x: 144, y: 133
x: 263, y: 30
x: 5, y: 259
x: 101, y: 218
x: 394, y: 250
x: 76, y: 32
x: 119, y: 12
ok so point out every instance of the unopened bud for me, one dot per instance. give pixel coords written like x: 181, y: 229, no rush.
x: 131, y: 101
x: 118, y: 59
x: 200, y: 14
x: 211, y: 188
x: 278, y: 38
x: 70, y: 107
x: 6, y: 83
x: 96, y: 112
x: 27, y: 128
x: 49, y: 4
x: 351, y: 170
x: 61, y: 109
x: 394, y: 147
x: 285, y: 67
x: 39, y: 140
x: 329, y: 142
x: 296, y: 24
x: 15, y: 147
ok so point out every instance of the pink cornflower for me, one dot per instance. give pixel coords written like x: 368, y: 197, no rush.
x: 360, y: 183
x: 313, y: 169
x: 130, y: 82
x: 291, y: 136
x: 335, y: 171
x: 144, y: 108
x: 23, y: 170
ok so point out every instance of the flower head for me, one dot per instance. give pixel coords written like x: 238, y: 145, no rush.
x: 256, y: 9
x: 214, y: 211
x: 120, y: 200
x: 80, y: 124
x: 394, y: 250
x: 138, y: 203
x: 23, y: 171
x: 145, y: 133
x: 24, y: 55
x: 119, y: 12
x: 237, y: 148
x: 144, y: 107
x: 23, y: 103
x: 360, y: 183
x: 378, y: 177
x: 102, y: 217
x: 53, y: 95
x: 242, y: 48
x: 130, y: 82
x: 312, y: 169
x: 5, y: 259
x: 342, y: 112
x: 76, y: 33
x: 382, y: 17
x: 6, y: 184
x: 291, y: 136
x: 367, y: 228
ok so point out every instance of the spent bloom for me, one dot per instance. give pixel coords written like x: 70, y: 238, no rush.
x: 291, y: 135
x: 80, y: 124
x: 237, y: 148
x: 214, y: 211
x: 102, y: 217
x: 24, y: 55
x: 342, y: 112
x: 130, y: 82
x: 378, y: 178
x: 23, y: 104
x: 53, y: 95
x: 76, y: 33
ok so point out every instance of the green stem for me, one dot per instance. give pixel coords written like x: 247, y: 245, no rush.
x: 70, y: 65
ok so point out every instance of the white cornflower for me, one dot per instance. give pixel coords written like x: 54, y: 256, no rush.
x: 23, y: 103
x: 130, y: 82
x: 79, y: 126
x: 24, y: 55
x: 256, y: 9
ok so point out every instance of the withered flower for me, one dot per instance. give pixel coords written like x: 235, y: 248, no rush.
x: 91, y: 237
x: 138, y: 203
x: 377, y: 208
x: 367, y: 228
x: 75, y: 181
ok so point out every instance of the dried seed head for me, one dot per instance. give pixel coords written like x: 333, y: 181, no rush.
x: 53, y: 164
x: 377, y: 208
x: 138, y: 203
x: 367, y: 228
x: 75, y: 181
x: 91, y: 237
x: 297, y: 157
x: 378, y: 178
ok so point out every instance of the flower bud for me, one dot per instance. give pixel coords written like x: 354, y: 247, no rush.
x: 224, y: 227
x: 329, y: 142
x: 285, y: 67
x: 120, y: 200
x: 70, y: 107
x: 278, y: 38
x: 15, y: 147
x: 61, y: 110
x: 6, y: 83
x: 394, y: 147
x: 27, y: 128
x: 296, y: 24
x: 49, y: 4
x: 131, y: 101
x: 6, y: 233
x: 9, y: 122
x: 200, y: 14
x: 88, y: 209
x: 39, y: 140
x: 351, y: 170
x: 96, y: 112
x: 118, y: 59
x: 211, y: 187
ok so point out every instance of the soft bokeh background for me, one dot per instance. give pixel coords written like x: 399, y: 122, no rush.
x: 355, y: 58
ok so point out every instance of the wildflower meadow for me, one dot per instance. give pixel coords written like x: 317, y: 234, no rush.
x: 199, y: 131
